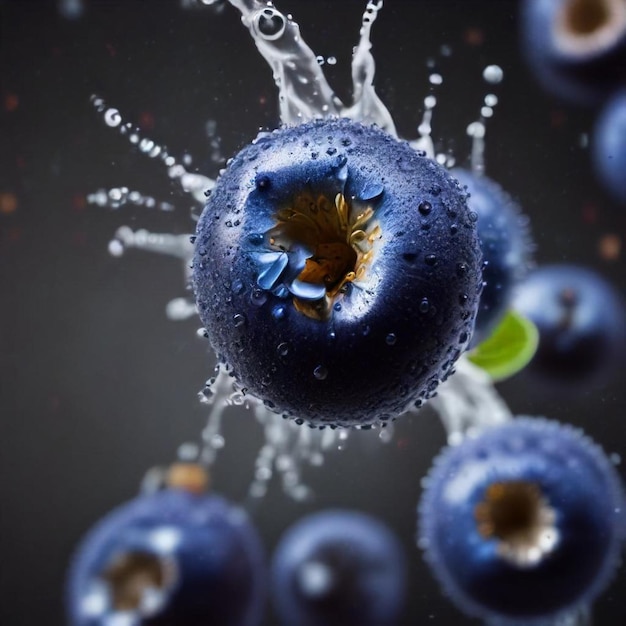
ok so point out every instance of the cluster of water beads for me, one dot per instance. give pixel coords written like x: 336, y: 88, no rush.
x: 192, y: 183
x: 466, y: 403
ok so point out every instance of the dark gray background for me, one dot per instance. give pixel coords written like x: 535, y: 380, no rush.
x: 96, y: 385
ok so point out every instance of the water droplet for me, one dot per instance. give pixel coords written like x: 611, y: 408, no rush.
x: 279, y: 313
x: 283, y: 348
x: 320, y: 372
x: 391, y: 339
x: 430, y: 259
x: 270, y: 24
x: 237, y: 287
x: 425, y: 207
x: 424, y: 305
x: 112, y: 118
x: 493, y: 74
x: 239, y: 320
x: 435, y: 79
x: 331, y: 60
x: 258, y: 297
x: 263, y: 182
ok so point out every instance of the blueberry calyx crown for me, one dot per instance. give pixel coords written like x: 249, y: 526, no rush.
x: 329, y: 243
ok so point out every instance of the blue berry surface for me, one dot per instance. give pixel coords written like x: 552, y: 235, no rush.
x: 337, y: 272
x: 338, y: 568
x: 609, y: 146
x: 582, y: 326
x: 505, y: 243
x: 576, y: 48
x: 522, y: 523
x: 173, y: 558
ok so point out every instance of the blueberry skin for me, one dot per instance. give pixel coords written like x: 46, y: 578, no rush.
x: 580, y: 484
x: 389, y: 341
x: 505, y: 243
x: 609, y: 146
x: 365, y: 563
x: 582, y: 326
x: 574, y: 69
x: 217, y: 555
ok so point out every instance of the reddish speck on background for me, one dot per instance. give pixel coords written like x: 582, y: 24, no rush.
x: 8, y: 203
x: 403, y: 443
x: 110, y: 49
x: 79, y: 239
x: 11, y: 102
x: 474, y: 37
x: 558, y: 118
x: 146, y: 120
x: 590, y: 214
x: 610, y: 247
x: 78, y: 203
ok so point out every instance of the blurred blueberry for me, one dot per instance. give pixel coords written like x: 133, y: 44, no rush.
x: 523, y: 523
x: 338, y: 568
x: 582, y: 326
x: 172, y: 558
x: 505, y: 243
x: 576, y: 48
x: 368, y: 249
x: 609, y: 146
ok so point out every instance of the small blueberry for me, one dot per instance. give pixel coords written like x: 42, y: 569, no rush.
x: 576, y: 48
x: 581, y: 321
x: 523, y: 523
x: 178, y: 556
x: 338, y: 568
x: 609, y: 145
x: 506, y: 245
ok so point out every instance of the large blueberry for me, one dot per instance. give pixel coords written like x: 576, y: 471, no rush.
x: 173, y: 558
x: 582, y: 326
x: 523, y: 523
x: 337, y: 272
x: 338, y: 568
x: 505, y: 243
x: 577, y: 48
x: 609, y: 146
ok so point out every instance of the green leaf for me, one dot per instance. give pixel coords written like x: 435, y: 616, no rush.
x: 508, y: 349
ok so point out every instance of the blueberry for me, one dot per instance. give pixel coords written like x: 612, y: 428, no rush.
x: 328, y: 213
x: 174, y: 558
x: 523, y: 523
x: 609, y: 146
x: 505, y: 243
x: 582, y: 326
x: 577, y: 48
x: 338, y: 568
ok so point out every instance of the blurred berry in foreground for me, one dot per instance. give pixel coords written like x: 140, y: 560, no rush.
x: 178, y: 557
x: 338, y: 568
x: 523, y: 523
